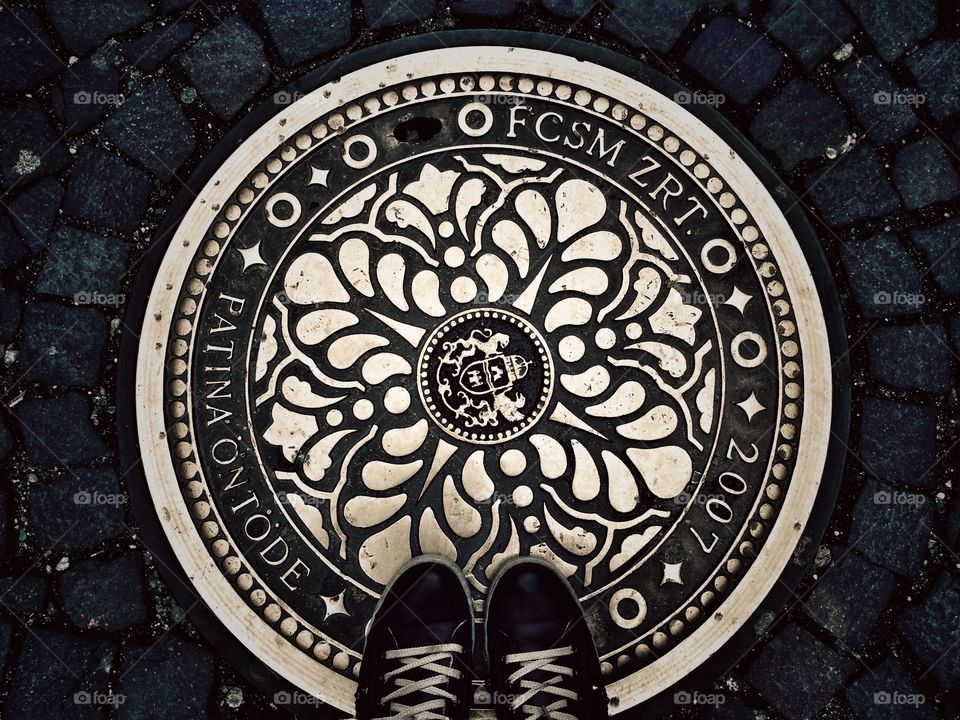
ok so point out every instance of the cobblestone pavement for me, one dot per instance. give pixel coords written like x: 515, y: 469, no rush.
x: 106, y: 108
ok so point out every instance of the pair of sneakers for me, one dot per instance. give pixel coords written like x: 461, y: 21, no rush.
x: 417, y: 659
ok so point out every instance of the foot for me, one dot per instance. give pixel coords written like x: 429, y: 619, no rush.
x: 416, y: 662
x: 542, y: 657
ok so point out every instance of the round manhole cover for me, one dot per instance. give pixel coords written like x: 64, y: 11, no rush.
x: 481, y: 302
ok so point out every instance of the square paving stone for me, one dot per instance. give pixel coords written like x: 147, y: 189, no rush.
x: 173, y: 674
x: 11, y: 311
x: 850, y: 597
x: 874, y: 97
x: 302, y: 31
x: 853, y: 187
x: 914, y: 357
x: 892, y: 528
x: 83, y: 25
x: 816, y: 673
x: 149, y: 51
x: 84, y: 267
x: 227, y: 64
x: 810, y: 29
x: 884, y: 278
x: 59, y: 431
x: 941, y: 245
x: 898, y: 441
x: 106, y: 191
x: 23, y: 594
x: 34, y: 211
x: 886, y: 692
x: 152, y: 128
x: 800, y: 123
x: 653, y: 25
x: 30, y: 145
x: 932, y: 631
x: 55, y: 675
x: 738, y: 61
x: 62, y: 345
x: 78, y: 511
x: 88, y: 89
x: 105, y: 594
x: 12, y: 249
x: 936, y: 66
x: 895, y: 26
x: 923, y: 174
x: 26, y: 51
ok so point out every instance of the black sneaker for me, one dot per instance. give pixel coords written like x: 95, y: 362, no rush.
x: 416, y: 662
x: 543, y: 662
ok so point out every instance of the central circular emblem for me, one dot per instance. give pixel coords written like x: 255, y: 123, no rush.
x: 485, y: 375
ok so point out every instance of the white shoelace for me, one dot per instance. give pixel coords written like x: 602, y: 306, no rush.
x: 428, y: 659
x: 542, y: 661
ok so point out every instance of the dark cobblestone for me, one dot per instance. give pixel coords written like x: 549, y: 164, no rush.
x: 871, y: 694
x: 569, y: 8
x: 484, y: 8
x: 895, y: 26
x: 11, y: 311
x: 801, y: 123
x: 816, y: 673
x: 936, y: 66
x: 940, y: 244
x: 30, y: 145
x: 892, y: 528
x: 654, y: 25
x: 171, y: 6
x: 302, y: 31
x: 880, y: 271
x: 83, y: 25
x: 898, y: 441
x: 78, y: 511
x: 149, y: 51
x: 853, y: 187
x: 59, y: 431
x: 151, y: 127
x: 811, y: 29
x: 106, y: 191
x: 84, y: 267
x: 6, y: 633
x: 172, y: 674
x: 105, y: 594
x: 26, y: 51
x: 737, y: 61
x: 62, y: 345
x: 851, y: 596
x: 12, y: 249
x: 87, y: 91
x: 923, y: 174
x: 34, y: 211
x: 914, y: 357
x: 24, y: 594
x: 933, y: 630
x: 384, y: 13
x: 869, y: 89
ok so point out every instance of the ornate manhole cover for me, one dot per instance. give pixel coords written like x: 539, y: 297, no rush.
x: 483, y: 302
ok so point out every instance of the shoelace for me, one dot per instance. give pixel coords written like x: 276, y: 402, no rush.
x: 428, y: 659
x: 543, y: 661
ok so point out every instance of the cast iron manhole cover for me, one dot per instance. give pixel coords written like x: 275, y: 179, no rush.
x: 483, y: 302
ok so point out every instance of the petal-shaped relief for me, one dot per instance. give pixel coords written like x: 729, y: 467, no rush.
x: 405, y: 214
x: 345, y: 351
x: 590, y: 383
x: 267, y: 349
x: 311, y: 517
x: 381, y: 366
x: 670, y: 360
x: 647, y: 286
x: 311, y: 279
x: 318, y: 459
x: 569, y: 311
x: 622, y: 488
x: 495, y: 274
x: 426, y: 293
x: 379, y: 475
x: 315, y: 327
x: 665, y: 470
x: 586, y: 476
x: 653, y: 238
x: 433, y: 188
x: 353, y: 206
x: 579, y: 204
x: 654, y: 425
x: 365, y: 511
x: 354, y: 259
x: 543, y: 552
x: 533, y: 209
x: 676, y: 318
x: 289, y: 430
x: 631, y: 545
x: 626, y: 399
x: 468, y: 197
x: 381, y: 555
x: 405, y: 440
x: 510, y: 550
x: 298, y: 392
x: 601, y: 246
x: 515, y: 163
x: 464, y: 519
x: 476, y: 482
x: 391, y: 270
x: 587, y: 280
x: 553, y: 458
x: 509, y: 237
x: 705, y: 400
x: 576, y: 541
x: 433, y: 540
